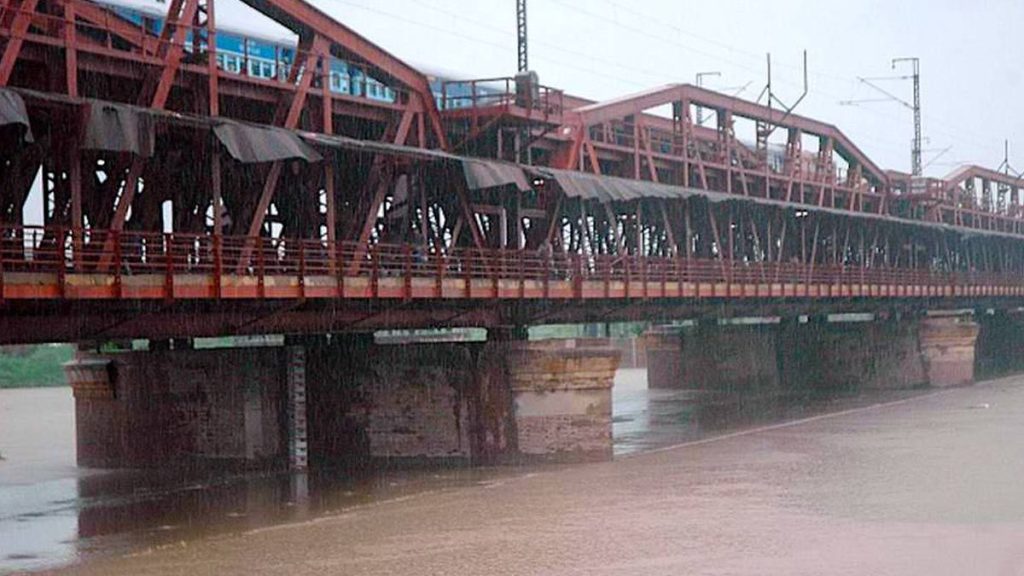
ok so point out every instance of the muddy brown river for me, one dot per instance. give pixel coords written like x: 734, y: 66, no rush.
x: 899, y: 483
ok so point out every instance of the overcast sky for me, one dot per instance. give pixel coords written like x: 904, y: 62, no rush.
x: 971, y: 69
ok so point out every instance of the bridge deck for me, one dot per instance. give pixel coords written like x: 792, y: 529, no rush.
x: 73, y: 286
x: 145, y: 266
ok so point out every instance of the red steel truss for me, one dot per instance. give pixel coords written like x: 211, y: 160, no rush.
x: 617, y: 137
x: 780, y: 155
x: 167, y: 180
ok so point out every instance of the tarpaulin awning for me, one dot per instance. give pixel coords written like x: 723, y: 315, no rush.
x: 250, y: 144
x: 13, y: 112
x: 244, y: 143
x: 119, y: 128
x: 376, y: 147
x: 609, y: 188
x: 482, y: 174
x: 613, y: 189
x: 479, y: 173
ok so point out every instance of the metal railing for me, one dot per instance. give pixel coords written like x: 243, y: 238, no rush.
x: 500, y: 92
x: 61, y: 253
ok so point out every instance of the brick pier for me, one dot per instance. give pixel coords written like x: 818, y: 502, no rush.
x: 334, y: 400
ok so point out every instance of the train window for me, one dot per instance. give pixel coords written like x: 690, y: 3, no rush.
x: 267, y: 70
x: 339, y: 83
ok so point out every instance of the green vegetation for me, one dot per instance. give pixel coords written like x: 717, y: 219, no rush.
x: 614, y: 330
x: 33, y: 366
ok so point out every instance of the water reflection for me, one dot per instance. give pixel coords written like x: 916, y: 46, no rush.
x: 649, y: 419
x: 55, y: 523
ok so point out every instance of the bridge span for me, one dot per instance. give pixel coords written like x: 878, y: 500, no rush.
x: 322, y: 189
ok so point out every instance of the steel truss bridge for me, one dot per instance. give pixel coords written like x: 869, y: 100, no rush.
x: 181, y: 199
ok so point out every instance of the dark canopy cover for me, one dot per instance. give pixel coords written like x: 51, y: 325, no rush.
x: 13, y: 112
x: 482, y: 174
x: 119, y: 128
x: 250, y: 144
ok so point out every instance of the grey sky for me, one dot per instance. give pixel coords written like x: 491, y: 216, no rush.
x: 604, y: 48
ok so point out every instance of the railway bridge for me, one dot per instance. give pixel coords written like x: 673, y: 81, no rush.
x: 326, y: 190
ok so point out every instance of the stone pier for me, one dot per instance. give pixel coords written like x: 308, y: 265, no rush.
x: 878, y: 354
x: 167, y: 407
x: 935, y: 351
x: 339, y: 400
x: 948, y: 350
x: 1000, y: 345
x: 664, y: 347
x: 714, y: 358
x: 562, y: 401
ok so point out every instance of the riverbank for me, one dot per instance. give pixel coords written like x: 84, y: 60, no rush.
x: 34, y: 366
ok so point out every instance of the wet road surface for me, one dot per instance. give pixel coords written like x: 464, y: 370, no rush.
x: 931, y: 485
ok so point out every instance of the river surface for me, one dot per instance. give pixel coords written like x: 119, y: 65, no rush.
x: 897, y: 483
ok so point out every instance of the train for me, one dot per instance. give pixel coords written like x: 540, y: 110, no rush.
x: 264, y: 49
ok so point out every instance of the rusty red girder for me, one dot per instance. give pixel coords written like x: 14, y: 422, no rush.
x: 158, y: 190
x: 302, y: 286
x: 120, y: 57
x: 625, y: 137
x: 79, y: 49
x: 621, y: 137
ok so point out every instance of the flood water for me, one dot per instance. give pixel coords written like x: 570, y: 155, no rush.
x: 881, y: 490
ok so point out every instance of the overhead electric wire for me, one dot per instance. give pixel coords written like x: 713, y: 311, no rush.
x: 952, y: 130
x: 481, y: 41
x: 493, y: 28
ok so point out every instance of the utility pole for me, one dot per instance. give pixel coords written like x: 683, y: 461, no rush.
x: 916, y: 168
x: 524, y: 63
x: 700, y: 84
x: 915, y: 154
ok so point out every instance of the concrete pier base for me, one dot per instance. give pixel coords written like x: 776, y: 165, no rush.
x: 562, y: 401
x: 948, y: 350
x: 714, y: 358
x: 345, y: 399
x: 1000, y: 346
x: 936, y: 351
x: 664, y: 346
x: 170, y: 407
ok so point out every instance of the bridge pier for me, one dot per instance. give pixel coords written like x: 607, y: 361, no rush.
x: 323, y: 401
x: 154, y: 408
x: 715, y: 358
x: 503, y: 399
x: 948, y: 350
x: 1000, y: 347
x: 935, y: 351
x: 562, y: 401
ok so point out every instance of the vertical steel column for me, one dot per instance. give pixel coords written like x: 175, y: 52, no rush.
x: 75, y: 183
x: 70, y: 50
x: 213, y: 71
x: 524, y: 63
